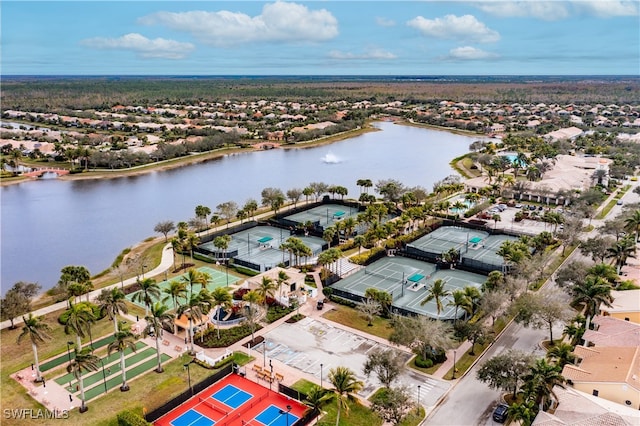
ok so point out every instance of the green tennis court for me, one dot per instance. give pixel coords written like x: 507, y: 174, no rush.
x: 407, y: 281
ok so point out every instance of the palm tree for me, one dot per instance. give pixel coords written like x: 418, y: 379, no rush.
x: 36, y: 329
x: 222, y: 244
x: 345, y: 385
x: 592, y: 293
x: 460, y: 300
x: 193, y: 276
x: 620, y: 252
x: 124, y: 340
x: 437, y: 292
x: 223, y: 300
x: 252, y: 297
x: 159, y: 320
x: 111, y: 303
x: 317, y: 397
x: 195, y: 307
x: 176, y: 290
x: 540, y: 381
x: 562, y: 354
x: 84, y: 360
x: 632, y: 224
x: 526, y: 412
x: 78, y: 319
x: 266, y: 289
x: 149, y: 290
x: 282, y: 278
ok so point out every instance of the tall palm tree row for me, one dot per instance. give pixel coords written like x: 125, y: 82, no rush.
x: 124, y: 339
x: 159, y: 319
x: 77, y: 320
x: 84, y: 360
x: 37, y: 331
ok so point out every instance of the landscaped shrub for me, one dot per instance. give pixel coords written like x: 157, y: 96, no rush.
x: 423, y: 363
x: 476, y: 209
x: 228, y: 336
x: 239, y: 293
x: 244, y: 271
x: 129, y: 418
x: 276, y: 312
x: 342, y: 301
x: 363, y: 258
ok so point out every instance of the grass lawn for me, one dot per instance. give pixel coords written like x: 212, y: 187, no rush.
x: 150, y: 390
x: 304, y: 386
x: 352, y: 318
x: 358, y: 415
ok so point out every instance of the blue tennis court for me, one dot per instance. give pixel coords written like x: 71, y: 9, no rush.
x: 274, y: 416
x: 192, y: 418
x: 232, y: 396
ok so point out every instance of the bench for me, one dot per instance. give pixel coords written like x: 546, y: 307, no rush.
x: 279, y: 377
x: 178, y: 348
x: 165, y: 342
x: 257, y: 368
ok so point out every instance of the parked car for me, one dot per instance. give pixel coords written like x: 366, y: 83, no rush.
x: 518, y: 206
x: 500, y: 413
x: 619, y: 202
x: 320, y: 305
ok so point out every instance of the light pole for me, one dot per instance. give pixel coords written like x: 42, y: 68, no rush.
x: 189, y: 375
x: 286, y: 413
x: 418, y: 399
x: 320, y: 375
x: 453, y: 375
x: 104, y: 376
x: 143, y: 268
x: 271, y: 375
x: 264, y: 353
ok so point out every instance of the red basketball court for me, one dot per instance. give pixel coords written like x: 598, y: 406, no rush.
x: 235, y: 401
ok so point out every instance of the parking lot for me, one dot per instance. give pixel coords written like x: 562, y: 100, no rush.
x: 314, y: 347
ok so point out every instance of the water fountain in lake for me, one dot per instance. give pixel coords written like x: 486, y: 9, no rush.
x: 331, y: 158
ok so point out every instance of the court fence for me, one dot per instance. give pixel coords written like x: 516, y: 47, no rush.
x: 309, y: 415
x: 154, y: 415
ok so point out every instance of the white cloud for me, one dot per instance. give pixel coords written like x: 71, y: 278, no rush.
x: 280, y: 22
x: 556, y: 10
x: 468, y: 53
x: 608, y: 8
x: 143, y: 46
x: 384, y: 22
x: 368, y: 54
x: 547, y: 10
x: 465, y: 27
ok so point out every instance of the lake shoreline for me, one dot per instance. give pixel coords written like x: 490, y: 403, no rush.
x: 194, y: 159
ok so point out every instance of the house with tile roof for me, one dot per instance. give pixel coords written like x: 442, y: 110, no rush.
x: 611, y: 331
x: 612, y: 373
x: 625, y: 306
x: 579, y: 409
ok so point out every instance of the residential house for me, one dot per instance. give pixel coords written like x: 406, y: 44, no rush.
x: 612, y: 373
x: 625, y: 306
x: 611, y: 331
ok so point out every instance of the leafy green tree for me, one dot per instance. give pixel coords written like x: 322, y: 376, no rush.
x: 539, y: 383
x: 124, y: 340
x: 369, y: 308
x: 84, y: 359
x: 159, y: 319
x: 429, y: 339
x: 37, y: 330
x: 506, y: 371
x: 17, y: 301
x: 542, y: 309
x: 525, y: 412
x: 345, y: 386
x: 392, y: 404
x: 387, y: 365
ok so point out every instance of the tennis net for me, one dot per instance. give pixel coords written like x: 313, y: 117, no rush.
x: 386, y: 277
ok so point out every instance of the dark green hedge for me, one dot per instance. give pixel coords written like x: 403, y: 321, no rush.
x: 129, y: 418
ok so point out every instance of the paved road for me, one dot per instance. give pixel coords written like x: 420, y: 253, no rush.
x: 471, y: 402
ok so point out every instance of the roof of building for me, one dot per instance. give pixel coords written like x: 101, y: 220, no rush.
x: 613, y: 332
x: 623, y: 301
x: 579, y: 408
x: 606, y: 365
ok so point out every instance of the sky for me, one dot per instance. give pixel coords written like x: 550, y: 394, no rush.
x: 494, y: 37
